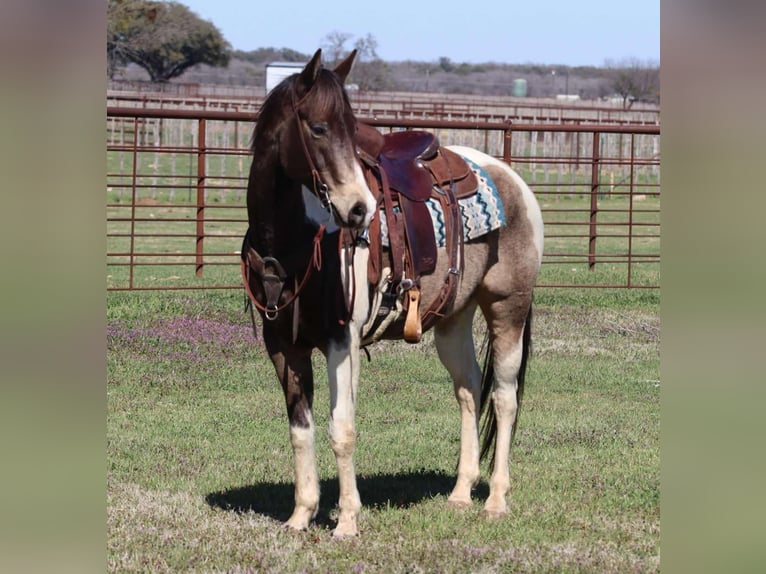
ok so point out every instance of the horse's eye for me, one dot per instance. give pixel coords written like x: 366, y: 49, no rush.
x: 318, y: 130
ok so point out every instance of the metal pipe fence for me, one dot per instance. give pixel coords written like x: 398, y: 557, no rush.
x: 402, y: 106
x: 176, y: 182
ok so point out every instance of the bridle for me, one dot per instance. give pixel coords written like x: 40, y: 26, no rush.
x: 319, y: 187
x: 269, y: 270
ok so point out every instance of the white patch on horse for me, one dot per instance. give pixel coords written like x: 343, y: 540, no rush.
x: 343, y: 373
x: 533, y: 209
x: 343, y: 377
x: 369, y: 199
x: 306, y: 479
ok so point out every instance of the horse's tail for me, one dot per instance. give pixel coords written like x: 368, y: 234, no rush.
x: 489, y: 427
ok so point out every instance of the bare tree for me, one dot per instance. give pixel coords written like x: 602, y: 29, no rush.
x: 334, y: 46
x: 634, y: 80
x: 370, y: 72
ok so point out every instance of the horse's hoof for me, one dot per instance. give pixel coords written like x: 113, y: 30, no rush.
x: 459, y: 503
x: 299, y: 520
x: 492, y: 514
x: 345, y: 529
x: 293, y: 527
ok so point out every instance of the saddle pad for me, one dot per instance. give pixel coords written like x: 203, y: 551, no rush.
x: 482, y: 212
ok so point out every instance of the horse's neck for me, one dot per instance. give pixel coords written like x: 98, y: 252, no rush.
x: 277, y: 215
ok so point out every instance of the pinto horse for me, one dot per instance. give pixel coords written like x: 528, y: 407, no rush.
x: 313, y: 292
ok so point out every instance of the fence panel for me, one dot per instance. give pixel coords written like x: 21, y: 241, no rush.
x: 176, y: 181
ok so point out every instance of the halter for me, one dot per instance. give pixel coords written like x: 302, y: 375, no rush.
x: 320, y: 188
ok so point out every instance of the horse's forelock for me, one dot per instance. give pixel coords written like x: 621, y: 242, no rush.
x: 328, y: 96
x: 274, y: 110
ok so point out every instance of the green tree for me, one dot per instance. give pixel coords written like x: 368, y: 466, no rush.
x: 446, y: 64
x: 164, y: 38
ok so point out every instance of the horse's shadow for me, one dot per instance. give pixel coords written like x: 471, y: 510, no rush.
x: 380, y: 491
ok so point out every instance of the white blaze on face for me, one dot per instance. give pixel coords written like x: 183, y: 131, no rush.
x: 368, y: 198
x: 351, y: 191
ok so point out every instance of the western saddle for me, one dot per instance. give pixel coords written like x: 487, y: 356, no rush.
x: 404, y: 170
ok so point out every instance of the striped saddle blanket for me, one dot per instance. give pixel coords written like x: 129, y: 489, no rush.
x: 481, y: 212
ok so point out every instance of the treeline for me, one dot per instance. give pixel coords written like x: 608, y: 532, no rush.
x: 587, y: 82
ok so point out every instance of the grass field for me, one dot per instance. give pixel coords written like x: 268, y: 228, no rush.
x: 200, y: 473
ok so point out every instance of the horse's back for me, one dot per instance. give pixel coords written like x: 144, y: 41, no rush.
x: 507, y: 259
x: 522, y: 212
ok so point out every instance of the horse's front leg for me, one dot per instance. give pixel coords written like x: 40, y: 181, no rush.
x: 296, y: 376
x: 343, y: 374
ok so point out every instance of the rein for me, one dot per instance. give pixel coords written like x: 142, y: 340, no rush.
x: 273, y: 284
x: 271, y: 273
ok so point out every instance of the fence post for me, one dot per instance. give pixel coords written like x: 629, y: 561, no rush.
x: 133, y: 202
x: 201, y: 125
x: 594, y: 177
x: 507, y: 133
x: 630, y: 207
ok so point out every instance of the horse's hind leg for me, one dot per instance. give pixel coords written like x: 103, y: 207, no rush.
x: 454, y: 342
x: 296, y: 376
x: 506, y: 319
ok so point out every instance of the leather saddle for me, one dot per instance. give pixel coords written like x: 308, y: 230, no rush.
x: 404, y: 170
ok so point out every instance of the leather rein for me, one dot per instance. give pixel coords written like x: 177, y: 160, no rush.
x: 270, y: 271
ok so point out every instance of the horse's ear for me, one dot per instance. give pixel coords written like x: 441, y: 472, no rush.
x: 311, y: 71
x: 342, y: 70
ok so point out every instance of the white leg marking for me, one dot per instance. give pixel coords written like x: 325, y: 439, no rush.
x: 359, y: 285
x: 533, y: 208
x: 343, y: 375
x: 306, y: 479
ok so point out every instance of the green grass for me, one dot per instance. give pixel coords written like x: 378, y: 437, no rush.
x: 200, y: 468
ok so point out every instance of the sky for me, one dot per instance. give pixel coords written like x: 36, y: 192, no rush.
x: 551, y: 32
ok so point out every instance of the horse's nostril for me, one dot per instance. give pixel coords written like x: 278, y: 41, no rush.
x: 357, y: 214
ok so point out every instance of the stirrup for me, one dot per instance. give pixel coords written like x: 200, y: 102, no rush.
x: 413, y: 328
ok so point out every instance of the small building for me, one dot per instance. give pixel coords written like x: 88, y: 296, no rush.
x: 520, y: 88
x: 278, y: 71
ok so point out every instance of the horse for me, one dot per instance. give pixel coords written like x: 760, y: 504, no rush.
x: 310, y: 281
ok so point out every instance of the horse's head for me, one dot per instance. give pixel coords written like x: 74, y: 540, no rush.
x: 316, y: 140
